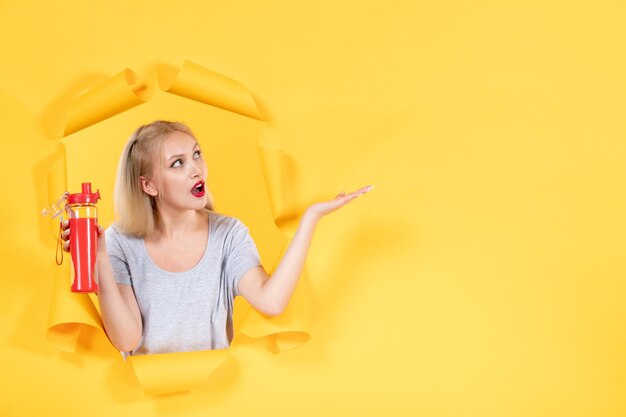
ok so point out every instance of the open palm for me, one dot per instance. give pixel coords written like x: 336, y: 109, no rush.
x: 321, y: 209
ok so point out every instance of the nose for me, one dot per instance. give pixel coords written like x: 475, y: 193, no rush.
x: 197, y: 169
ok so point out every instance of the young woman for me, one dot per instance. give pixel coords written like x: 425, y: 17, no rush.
x: 170, y: 267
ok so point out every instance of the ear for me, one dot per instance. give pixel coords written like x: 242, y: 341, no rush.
x: 148, y: 186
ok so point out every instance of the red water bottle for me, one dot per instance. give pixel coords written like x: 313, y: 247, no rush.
x: 83, y: 216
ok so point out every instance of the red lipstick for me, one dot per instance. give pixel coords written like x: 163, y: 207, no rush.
x: 198, y: 189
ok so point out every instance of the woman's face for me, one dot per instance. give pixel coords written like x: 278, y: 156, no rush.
x: 179, y: 174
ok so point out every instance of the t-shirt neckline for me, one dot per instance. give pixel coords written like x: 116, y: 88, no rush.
x: 197, y: 265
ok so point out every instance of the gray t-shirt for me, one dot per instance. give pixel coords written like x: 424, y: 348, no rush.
x: 191, y: 310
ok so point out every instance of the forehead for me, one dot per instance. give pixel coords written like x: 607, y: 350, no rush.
x: 178, y: 143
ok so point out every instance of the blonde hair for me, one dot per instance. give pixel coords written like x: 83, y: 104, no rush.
x: 136, y: 211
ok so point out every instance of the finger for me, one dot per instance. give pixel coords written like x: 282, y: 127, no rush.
x: 362, y: 190
x: 65, y: 234
x: 100, y: 230
x: 365, y: 189
x: 66, y: 246
x: 344, y: 200
x: 351, y: 196
x: 65, y: 224
x: 354, y: 194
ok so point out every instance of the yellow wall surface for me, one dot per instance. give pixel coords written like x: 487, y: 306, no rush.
x: 482, y: 277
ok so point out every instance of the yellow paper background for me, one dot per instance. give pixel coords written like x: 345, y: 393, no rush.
x: 482, y: 277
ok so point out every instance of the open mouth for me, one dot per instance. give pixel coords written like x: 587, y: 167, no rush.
x: 198, y: 189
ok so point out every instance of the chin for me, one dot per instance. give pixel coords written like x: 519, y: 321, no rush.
x: 201, y: 203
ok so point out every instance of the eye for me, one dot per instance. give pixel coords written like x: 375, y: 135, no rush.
x: 197, y: 154
x: 176, y: 163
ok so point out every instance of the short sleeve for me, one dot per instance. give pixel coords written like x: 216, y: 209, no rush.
x: 121, y: 271
x: 242, y: 255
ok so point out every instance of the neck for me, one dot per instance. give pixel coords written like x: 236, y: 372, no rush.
x: 176, y: 225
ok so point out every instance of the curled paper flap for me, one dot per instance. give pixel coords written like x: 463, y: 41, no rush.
x: 70, y: 313
x: 114, y: 96
x: 278, y: 173
x: 200, y: 84
x: 290, y: 329
x: 176, y: 372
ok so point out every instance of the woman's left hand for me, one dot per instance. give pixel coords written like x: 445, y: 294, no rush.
x: 319, y: 210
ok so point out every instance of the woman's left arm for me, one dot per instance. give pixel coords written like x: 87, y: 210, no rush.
x: 270, y: 295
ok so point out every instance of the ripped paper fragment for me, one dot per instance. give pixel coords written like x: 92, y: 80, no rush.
x: 114, y: 96
x: 200, y: 84
x: 277, y: 173
x: 70, y: 313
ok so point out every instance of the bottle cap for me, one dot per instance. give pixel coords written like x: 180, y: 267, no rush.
x: 85, y: 197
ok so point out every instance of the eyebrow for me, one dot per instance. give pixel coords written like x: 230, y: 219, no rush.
x: 196, y: 145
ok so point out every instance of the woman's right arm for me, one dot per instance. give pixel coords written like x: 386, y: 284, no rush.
x: 118, y: 306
